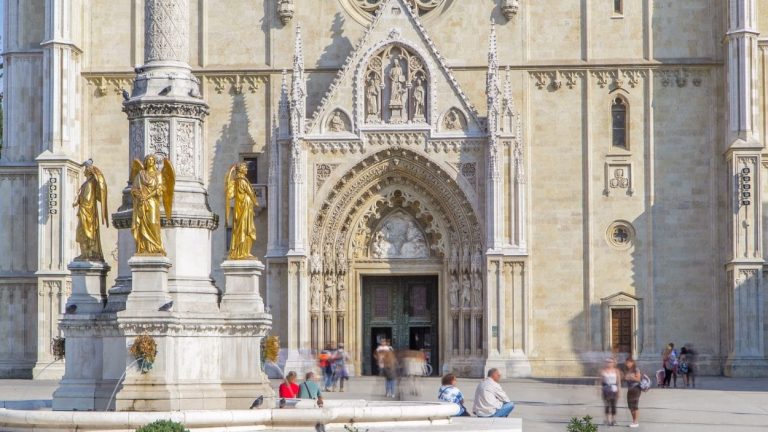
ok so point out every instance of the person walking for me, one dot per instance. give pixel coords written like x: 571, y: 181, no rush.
x: 450, y: 393
x: 310, y: 390
x: 691, y: 358
x: 610, y: 386
x: 632, y: 376
x: 289, y: 389
x: 326, y: 366
x: 340, y: 371
x: 490, y: 398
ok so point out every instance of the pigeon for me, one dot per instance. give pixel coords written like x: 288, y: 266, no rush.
x: 257, y: 403
x: 166, y: 307
x: 138, y: 68
x: 165, y: 91
x: 282, y: 403
x: 126, y: 96
x: 319, y: 427
x: 193, y: 92
x: 71, y: 308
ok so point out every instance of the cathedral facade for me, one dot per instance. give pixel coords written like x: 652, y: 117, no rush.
x: 497, y: 183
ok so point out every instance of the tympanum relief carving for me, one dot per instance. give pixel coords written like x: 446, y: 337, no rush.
x: 399, y: 237
x: 396, y: 87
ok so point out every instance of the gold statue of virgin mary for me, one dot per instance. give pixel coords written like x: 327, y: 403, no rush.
x: 92, y: 192
x: 149, y: 189
x: 240, y: 191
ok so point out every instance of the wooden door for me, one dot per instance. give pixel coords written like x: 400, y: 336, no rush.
x: 402, y: 309
x: 621, y: 331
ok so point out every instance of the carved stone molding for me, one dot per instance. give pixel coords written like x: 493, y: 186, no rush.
x: 123, y: 221
x: 111, y: 327
x: 681, y: 77
x: 335, y: 147
x: 115, y: 84
x: 618, y: 78
x: 175, y: 109
x: 236, y: 83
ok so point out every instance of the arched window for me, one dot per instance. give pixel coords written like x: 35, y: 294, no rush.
x: 619, y: 123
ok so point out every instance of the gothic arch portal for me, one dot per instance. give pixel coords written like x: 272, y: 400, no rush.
x: 401, y: 183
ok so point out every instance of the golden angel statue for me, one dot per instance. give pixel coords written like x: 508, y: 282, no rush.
x: 239, y: 189
x: 149, y: 189
x: 92, y: 192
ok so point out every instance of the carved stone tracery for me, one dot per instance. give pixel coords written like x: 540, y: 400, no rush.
x: 396, y: 87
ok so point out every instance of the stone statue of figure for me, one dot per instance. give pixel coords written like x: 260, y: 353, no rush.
x: 329, y: 285
x: 239, y: 189
x: 92, y: 192
x: 341, y: 298
x: 337, y: 123
x: 418, y: 101
x: 372, y: 99
x: 397, y: 77
x: 477, y: 291
x: 149, y: 189
x: 315, y: 262
x: 316, y: 292
x: 465, y: 290
x: 454, y: 292
x: 477, y: 260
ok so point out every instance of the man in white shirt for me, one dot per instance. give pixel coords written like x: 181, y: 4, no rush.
x: 490, y: 399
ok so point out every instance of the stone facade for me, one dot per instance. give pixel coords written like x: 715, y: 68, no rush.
x: 567, y: 162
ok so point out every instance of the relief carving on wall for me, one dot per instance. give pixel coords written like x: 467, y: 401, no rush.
x: 399, y: 237
x: 618, y: 178
x: 159, y: 138
x: 185, y: 148
x: 454, y: 121
x: 338, y: 122
x: 420, y: 6
x: 396, y: 87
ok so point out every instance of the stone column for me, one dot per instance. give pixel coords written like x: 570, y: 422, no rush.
x: 745, y: 291
x: 166, y: 112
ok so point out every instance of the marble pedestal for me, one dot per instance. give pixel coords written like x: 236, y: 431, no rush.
x: 82, y: 369
x: 88, y: 286
x: 241, y: 286
x: 149, y: 282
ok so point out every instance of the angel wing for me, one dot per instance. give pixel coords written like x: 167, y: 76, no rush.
x: 169, y: 181
x: 229, y: 192
x: 101, y: 193
x: 136, y: 166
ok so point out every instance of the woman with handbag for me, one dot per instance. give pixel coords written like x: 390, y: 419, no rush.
x: 610, y: 385
x: 633, y: 376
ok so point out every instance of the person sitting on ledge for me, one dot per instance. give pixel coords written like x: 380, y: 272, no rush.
x: 310, y: 390
x: 289, y: 389
x: 450, y: 393
x: 490, y: 399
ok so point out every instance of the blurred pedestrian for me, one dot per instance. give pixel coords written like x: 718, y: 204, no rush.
x: 326, y: 366
x: 289, y: 389
x: 692, y: 366
x: 340, y: 371
x: 310, y: 390
x: 490, y: 398
x: 450, y: 393
x: 389, y: 371
x: 412, y: 367
x: 632, y: 376
x: 610, y: 385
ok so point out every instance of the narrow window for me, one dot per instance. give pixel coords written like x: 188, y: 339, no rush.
x: 253, y: 169
x: 618, y: 7
x: 619, y: 116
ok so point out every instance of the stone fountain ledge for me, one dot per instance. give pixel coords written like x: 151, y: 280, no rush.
x: 422, y: 416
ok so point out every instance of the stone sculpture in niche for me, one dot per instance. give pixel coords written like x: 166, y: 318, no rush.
x: 454, y: 120
x: 477, y: 290
x: 337, y: 124
x: 399, y: 237
x: 418, y: 102
x: 396, y: 87
x: 316, y: 292
x: 466, y: 292
x: 454, y: 292
x: 341, y: 299
x: 372, y: 100
x: 329, y: 288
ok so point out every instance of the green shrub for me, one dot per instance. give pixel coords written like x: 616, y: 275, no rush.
x: 163, y: 426
x: 582, y: 425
